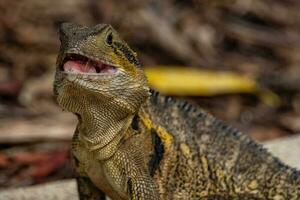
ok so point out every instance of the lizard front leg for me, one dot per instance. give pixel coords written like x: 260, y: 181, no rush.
x: 87, y: 190
x: 140, y: 185
x: 119, y: 183
x: 142, y: 188
x: 126, y: 177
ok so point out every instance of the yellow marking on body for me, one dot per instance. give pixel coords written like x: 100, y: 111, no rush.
x: 146, y: 120
x: 253, y: 185
x: 123, y: 63
x: 220, y: 173
x: 278, y: 197
x: 204, y: 163
x: 221, y: 178
x: 166, y: 137
x: 185, y: 149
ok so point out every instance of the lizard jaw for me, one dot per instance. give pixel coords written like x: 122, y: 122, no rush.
x: 78, y: 64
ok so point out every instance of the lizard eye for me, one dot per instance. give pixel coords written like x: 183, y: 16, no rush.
x: 109, y: 39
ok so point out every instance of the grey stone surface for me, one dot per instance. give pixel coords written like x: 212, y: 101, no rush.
x: 60, y: 190
x: 287, y: 149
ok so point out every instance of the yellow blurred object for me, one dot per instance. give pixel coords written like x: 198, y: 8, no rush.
x: 183, y: 81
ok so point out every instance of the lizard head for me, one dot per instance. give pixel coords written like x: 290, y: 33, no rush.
x: 96, y: 67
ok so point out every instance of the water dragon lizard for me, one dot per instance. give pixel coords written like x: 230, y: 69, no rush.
x: 133, y: 143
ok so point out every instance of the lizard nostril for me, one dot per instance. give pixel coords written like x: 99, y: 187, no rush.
x: 98, y: 70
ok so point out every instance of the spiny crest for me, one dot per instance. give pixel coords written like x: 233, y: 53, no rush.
x: 185, y: 106
x: 189, y: 108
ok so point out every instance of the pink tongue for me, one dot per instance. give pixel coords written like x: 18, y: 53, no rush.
x: 78, y: 67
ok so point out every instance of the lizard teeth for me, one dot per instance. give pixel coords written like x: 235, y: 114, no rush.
x: 87, y: 66
x: 108, y: 69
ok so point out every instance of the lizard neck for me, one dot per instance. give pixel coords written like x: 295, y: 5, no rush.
x: 102, y: 127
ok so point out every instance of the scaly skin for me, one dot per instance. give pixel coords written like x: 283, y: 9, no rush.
x: 132, y: 143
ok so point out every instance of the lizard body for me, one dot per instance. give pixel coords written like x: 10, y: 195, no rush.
x: 133, y: 143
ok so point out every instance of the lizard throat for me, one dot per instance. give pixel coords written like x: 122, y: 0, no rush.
x: 78, y: 64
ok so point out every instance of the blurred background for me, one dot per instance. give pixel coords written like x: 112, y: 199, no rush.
x: 253, y: 45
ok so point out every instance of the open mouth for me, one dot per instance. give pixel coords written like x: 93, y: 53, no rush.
x: 78, y: 64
